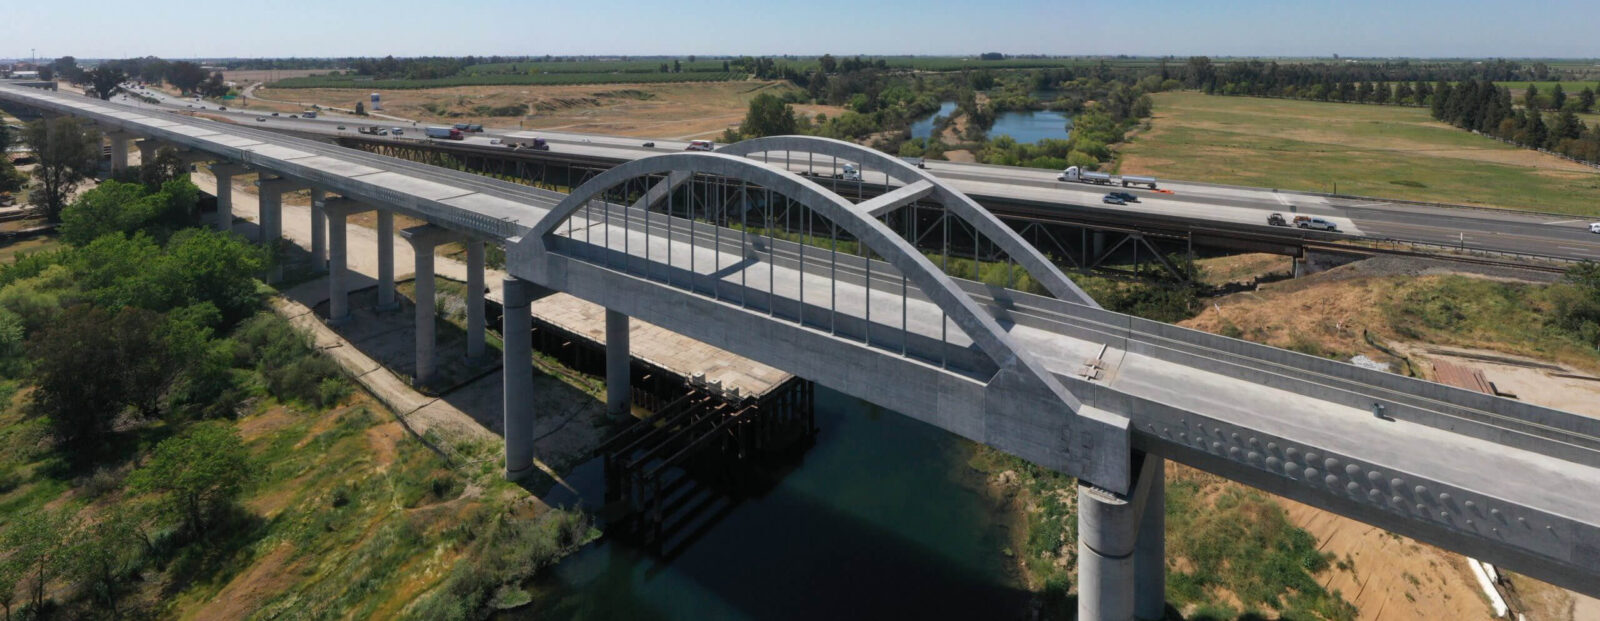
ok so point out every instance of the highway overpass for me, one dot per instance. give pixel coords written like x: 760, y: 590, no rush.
x: 1098, y: 395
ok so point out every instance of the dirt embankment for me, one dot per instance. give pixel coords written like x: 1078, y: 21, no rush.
x: 1334, y: 313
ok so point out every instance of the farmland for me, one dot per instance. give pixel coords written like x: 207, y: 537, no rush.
x: 1390, y: 151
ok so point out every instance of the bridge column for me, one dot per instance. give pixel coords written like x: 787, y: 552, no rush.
x: 1110, y: 580
x: 319, y: 225
x: 475, y: 320
x: 423, y: 240
x: 147, y: 150
x: 224, y: 172
x: 516, y: 327
x: 1150, y: 551
x: 618, y: 365
x: 119, y: 150
x: 271, y: 201
x: 386, y: 261
x: 338, y: 212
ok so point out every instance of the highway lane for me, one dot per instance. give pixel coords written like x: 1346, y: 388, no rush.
x: 1477, y: 229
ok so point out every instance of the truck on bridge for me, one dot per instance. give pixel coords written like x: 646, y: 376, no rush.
x: 448, y: 133
x: 521, y: 140
x: 1074, y: 173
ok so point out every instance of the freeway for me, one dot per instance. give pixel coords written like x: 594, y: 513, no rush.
x: 1532, y: 233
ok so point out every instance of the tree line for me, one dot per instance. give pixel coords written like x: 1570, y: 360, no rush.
x: 1486, y: 108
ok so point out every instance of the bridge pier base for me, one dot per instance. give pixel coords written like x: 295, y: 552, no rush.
x: 475, y: 320
x: 516, y: 375
x: 1121, y: 551
x: 271, y: 202
x: 386, y: 261
x: 319, y: 225
x: 618, y: 365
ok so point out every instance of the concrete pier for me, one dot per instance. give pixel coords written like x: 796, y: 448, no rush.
x: 119, y: 150
x: 319, y: 247
x: 618, y: 377
x: 386, y: 300
x: 224, y: 172
x: 1150, y: 551
x: 338, y: 212
x: 147, y: 150
x: 517, y: 376
x: 475, y: 292
x: 423, y: 241
x: 1120, y: 570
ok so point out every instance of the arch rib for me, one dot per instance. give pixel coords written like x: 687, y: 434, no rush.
x: 977, y: 324
x: 1026, y: 255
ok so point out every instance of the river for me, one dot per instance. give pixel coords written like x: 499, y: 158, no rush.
x: 881, y: 518
x: 1026, y: 126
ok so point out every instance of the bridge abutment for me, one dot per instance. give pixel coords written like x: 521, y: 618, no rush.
x: 1121, y: 548
x: 618, y: 362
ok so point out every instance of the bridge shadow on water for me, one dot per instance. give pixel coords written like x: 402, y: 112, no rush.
x: 881, y: 519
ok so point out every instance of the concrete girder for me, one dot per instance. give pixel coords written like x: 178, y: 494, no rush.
x: 1029, y: 257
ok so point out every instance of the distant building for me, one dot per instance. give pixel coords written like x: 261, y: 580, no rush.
x: 25, y: 75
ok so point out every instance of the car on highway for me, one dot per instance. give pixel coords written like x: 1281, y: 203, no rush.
x: 649, y: 145
x: 261, y: 119
x: 1126, y: 197
x: 1277, y: 220
x: 1316, y: 224
x: 341, y: 128
x: 701, y: 145
x: 1594, y: 227
x: 222, y: 108
x: 1113, y: 199
x: 274, y: 114
x: 397, y: 131
x: 294, y: 116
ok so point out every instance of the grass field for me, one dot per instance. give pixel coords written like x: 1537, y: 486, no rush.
x: 495, y: 79
x: 1385, y: 151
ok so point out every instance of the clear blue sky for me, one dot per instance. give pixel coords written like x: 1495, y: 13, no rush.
x: 192, y: 28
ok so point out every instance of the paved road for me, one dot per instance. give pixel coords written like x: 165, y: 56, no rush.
x: 1540, y: 234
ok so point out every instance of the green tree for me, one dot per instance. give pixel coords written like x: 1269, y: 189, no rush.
x: 1530, y: 97
x: 361, y: 109
x: 104, y: 81
x: 768, y: 116
x: 1558, y: 97
x: 37, y: 540
x: 10, y: 576
x: 164, y: 167
x: 67, y: 152
x: 102, y: 556
x: 1586, y: 100
x: 1567, y: 126
x: 67, y: 69
x: 828, y: 63
x: 185, y: 75
x: 199, y: 474
x: 90, y: 364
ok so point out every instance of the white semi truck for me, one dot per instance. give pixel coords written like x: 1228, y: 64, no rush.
x: 1073, y: 173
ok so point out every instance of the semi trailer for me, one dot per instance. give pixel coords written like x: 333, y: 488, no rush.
x: 1074, y: 173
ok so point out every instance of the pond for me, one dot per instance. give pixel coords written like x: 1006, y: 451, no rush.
x: 1026, y: 126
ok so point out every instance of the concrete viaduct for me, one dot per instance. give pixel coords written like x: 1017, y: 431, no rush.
x: 681, y: 241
